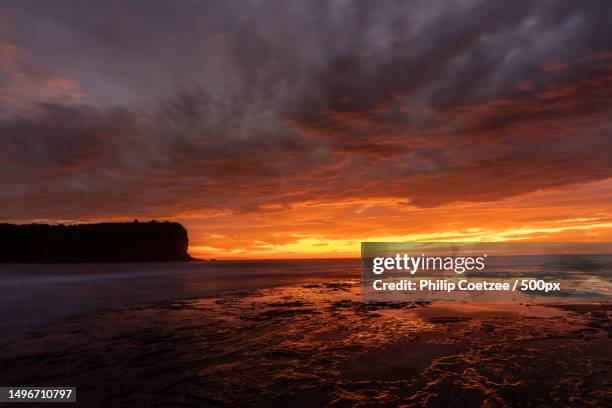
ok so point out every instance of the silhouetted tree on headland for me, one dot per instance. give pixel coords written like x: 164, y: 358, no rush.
x: 106, y: 242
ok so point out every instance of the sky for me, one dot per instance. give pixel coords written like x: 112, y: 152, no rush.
x: 280, y: 129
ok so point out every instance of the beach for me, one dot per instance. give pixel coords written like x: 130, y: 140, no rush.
x: 316, y: 344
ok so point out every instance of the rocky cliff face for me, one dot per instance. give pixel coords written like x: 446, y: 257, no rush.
x: 106, y: 242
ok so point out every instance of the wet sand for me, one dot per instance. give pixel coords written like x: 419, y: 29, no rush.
x: 34, y: 295
x: 316, y: 345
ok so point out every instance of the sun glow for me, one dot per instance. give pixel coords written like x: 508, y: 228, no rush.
x: 336, y: 229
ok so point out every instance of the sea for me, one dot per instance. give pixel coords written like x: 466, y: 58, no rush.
x: 35, y: 295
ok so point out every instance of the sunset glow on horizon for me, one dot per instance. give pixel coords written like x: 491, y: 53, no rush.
x: 573, y: 215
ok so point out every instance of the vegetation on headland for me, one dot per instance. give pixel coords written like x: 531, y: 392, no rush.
x: 103, y: 242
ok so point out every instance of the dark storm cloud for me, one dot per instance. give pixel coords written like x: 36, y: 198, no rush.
x: 151, y: 108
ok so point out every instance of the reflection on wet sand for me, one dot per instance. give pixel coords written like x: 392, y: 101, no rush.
x: 318, y: 345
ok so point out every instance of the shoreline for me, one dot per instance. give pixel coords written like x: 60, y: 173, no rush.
x: 333, y: 349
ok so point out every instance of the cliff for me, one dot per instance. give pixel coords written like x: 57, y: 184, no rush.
x: 106, y: 242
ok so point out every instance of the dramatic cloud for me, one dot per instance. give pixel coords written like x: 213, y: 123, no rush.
x: 149, y: 109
